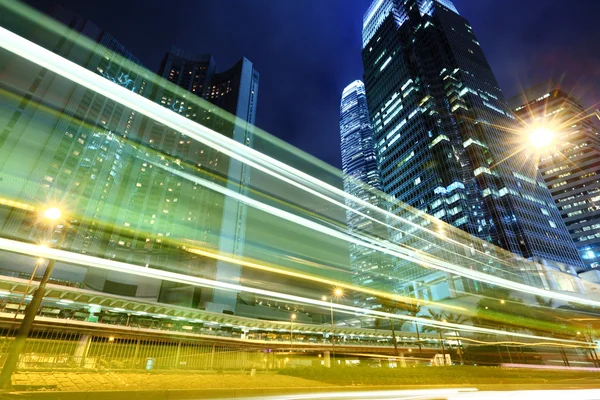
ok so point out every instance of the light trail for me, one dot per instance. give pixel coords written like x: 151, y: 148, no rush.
x: 550, y: 367
x: 582, y: 345
x: 332, y: 283
x: 400, y: 252
x: 97, y: 83
x: 61, y: 66
x: 242, y: 150
x: 444, y: 394
x: 121, y: 267
x: 371, y: 394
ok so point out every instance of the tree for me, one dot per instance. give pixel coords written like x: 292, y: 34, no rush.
x: 414, y: 309
x: 436, y: 316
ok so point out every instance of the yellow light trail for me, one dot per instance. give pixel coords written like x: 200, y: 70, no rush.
x: 581, y: 345
x: 242, y: 153
x: 274, y: 166
x: 61, y: 66
x: 304, y: 276
x: 390, y: 248
x: 121, y: 267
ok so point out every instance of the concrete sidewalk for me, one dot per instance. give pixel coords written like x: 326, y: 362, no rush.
x: 134, y: 381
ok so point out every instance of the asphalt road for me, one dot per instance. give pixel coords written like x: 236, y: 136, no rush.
x: 445, y: 394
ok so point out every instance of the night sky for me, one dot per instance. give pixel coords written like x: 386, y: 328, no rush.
x: 307, y: 51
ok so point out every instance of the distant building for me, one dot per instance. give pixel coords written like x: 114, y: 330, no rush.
x: 571, y: 169
x: 69, y: 145
x: 359, y: 165
x: 113, y: 168
x: 235, y: 91
x: 444, y: 138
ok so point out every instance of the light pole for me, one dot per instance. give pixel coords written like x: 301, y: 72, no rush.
x: 38, y: 262
x: 292, y: 319
x: 52, y: 214
x: 337, y: 293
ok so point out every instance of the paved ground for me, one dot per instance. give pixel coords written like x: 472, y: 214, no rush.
x: 87, y: 381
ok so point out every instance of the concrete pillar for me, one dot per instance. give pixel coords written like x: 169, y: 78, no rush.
x: 81, y: 351
x: 136, y: 353
x: 549, y: 278
x: 416, y: 290
x: 327, y: 359
x: 579, y: 285
x: 177, y: 355
x: 451, y: 286
x: 212, y: 357
x: 401, y: 361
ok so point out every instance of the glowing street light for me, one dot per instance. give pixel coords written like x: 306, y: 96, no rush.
x: 292, y: 319
x: 541, y: 137
x: 53, y: 215
x: 337, y: 293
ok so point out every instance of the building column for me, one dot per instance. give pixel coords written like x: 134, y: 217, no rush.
x: 451, y: 286
x: 579, y: 286
x: 82, y: 349
x: 212, y: 357
x: 416, y: 289
x: 401, y: 361
x: 550, y: 278
x: 327, y: 358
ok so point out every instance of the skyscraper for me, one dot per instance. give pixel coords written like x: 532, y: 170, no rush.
x: 571, y: 165
x: 359, y: 165
x: 68, y: 142
x: 445, y: 137
x: 358, y: 152
x: 235, y: 91
x: 111, y: 164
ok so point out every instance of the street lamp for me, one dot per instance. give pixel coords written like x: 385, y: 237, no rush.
x: 38, y: 262
x: 292, y: 319
x: 52, y: 215
x: 337, y: 293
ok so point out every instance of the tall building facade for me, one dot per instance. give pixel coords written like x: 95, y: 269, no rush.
x: 443, y: 134
x: 221, y: 220
x: 361, y: 176
x: 571, y: 166
x: 69, y: 143
x: 111, y: 168
x: 359, y: 161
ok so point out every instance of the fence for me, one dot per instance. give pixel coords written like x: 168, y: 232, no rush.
x: 56, y: 349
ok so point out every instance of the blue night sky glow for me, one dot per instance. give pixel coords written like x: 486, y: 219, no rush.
x: 307, y: 51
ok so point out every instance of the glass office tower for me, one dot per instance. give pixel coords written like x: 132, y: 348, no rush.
x: 571, y: 166
x: 77, y: 147
x: 359, y: 165
x: 236, y: 91
x: 445, y: 137
x: 119, y: 161
x: 358, y: 152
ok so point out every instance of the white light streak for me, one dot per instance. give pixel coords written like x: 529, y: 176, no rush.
x: 275, y: 168
x: 125, y: 268
x: 92, y: 81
